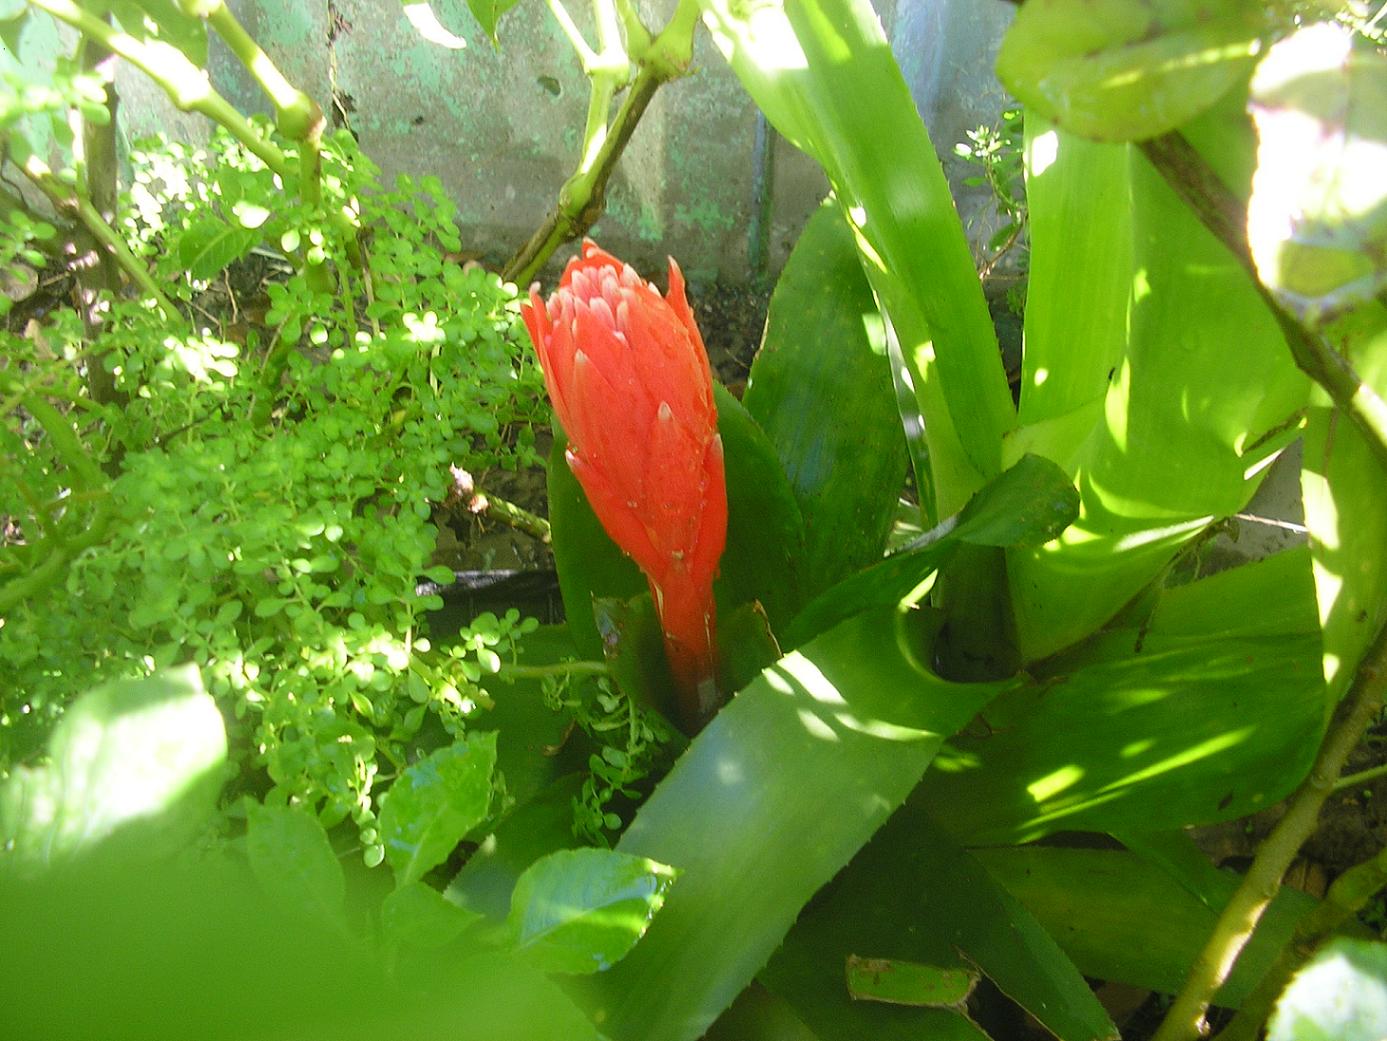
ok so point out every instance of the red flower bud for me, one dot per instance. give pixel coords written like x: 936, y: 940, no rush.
x: 629, y: 379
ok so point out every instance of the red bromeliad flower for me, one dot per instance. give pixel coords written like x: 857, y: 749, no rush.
x: 629, y: 379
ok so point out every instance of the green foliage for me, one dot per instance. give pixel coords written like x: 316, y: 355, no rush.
x: 997, y: 150
x: 267, y: 925
x: 632, y: 743
x: 581, y: 911
x: 273, y: 509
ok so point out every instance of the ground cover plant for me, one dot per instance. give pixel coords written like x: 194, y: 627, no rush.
x: 805, y: 760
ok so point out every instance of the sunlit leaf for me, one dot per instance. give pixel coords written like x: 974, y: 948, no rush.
x: 138, y: 759
x: 434, y: 803
x: 1340, y: 995
x: 1120, y: 918
x: 1121, y: 70
x: 293, y: 860
x: 962, y: 921
x: 1159, y: 733
x: 821, y: 389
x: 1163, y: 427
x: 1346, y: 508
x: 1317, y: 219
x: 580, y: 911
x: 780, y: 789
x: 418, y: 915
x: 823, y: 73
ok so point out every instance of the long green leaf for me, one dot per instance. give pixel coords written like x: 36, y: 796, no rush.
x: 1122, y: 919
x: 823, y: 73
x: 1186, y: 426
x: 820, y: 388
x: 779, y: 791
x: 913, y: 873
x: 1027, y: 505
x: 1156, y: 734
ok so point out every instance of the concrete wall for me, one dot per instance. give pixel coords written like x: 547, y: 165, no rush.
x: 501, y: 127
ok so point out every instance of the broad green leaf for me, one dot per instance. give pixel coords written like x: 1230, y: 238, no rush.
x: 1186, y: 427
x: 765, y: 531
x: 892, y: 981
x: 820, y: 388
x: 959, y: 918
x: 580, y: 911
x: 164, y: 20
x: 758, y: 1015
x: 292, y: 859
x: 1120, y: 918
x: 1079, y: 290
x: 417, y: 915
x: 1346, y: 509
x: 1027, y: 505
x: 1317, y: 219
x: 171, y: 952
x: 135, y: 759
x: 1340, y: 995
x: 207, y: 248
x: 823, y: 73
x: 1152, y: 735
x: 1123, y: 70
x: 427, y: 25
x: 541, y: 826
x: 1268, y: 597
x: 434, y: 803
x: 767, y: 804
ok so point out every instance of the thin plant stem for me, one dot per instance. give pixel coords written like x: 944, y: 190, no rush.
x: 583, y: 196
x: 96, y: 269
x: 1348, y: 895
x: 186, y: 85
x: 587, y: 57
x: 297, y: 115
x: 517, y: 517
x: 1362, y: 777
x: 563, y: 668
x: 68, y: 201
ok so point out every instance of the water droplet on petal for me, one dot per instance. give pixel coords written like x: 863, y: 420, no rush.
x: 666, y: 413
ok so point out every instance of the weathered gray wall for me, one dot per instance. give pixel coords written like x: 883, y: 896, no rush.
x: 501, y: 127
